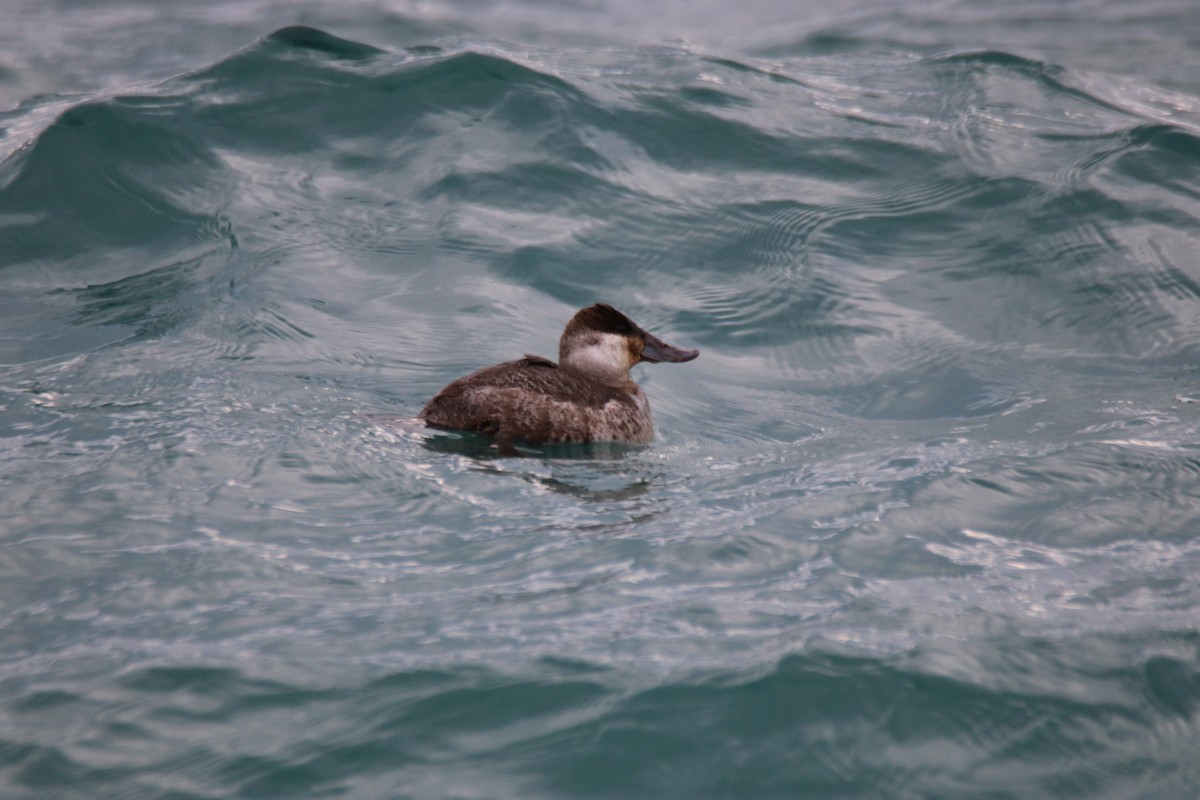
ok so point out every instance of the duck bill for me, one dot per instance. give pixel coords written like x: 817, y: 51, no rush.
x: 657, y: 351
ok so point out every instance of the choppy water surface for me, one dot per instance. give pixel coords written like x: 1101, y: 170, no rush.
x: 922, y: 521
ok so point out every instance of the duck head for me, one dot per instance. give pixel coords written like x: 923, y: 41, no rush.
x: 603, y: 343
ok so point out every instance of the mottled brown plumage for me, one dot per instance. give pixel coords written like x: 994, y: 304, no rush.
x: 587, y: 397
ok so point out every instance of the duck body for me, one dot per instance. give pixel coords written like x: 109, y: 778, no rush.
x: 537, y: 401
x: 587, y: 396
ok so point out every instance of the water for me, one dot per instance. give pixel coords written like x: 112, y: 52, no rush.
x: 923, y: 520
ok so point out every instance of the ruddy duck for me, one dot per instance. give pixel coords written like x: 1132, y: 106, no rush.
x: 587, y: 396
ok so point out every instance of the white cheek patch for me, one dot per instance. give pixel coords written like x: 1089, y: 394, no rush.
x: 609, y: 353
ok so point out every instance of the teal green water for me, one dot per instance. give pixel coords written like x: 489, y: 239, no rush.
x: 922, y: 521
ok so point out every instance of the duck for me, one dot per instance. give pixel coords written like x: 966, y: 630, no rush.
x: 587, y: 396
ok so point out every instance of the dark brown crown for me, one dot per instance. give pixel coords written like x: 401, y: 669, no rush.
x: 603, y: 318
